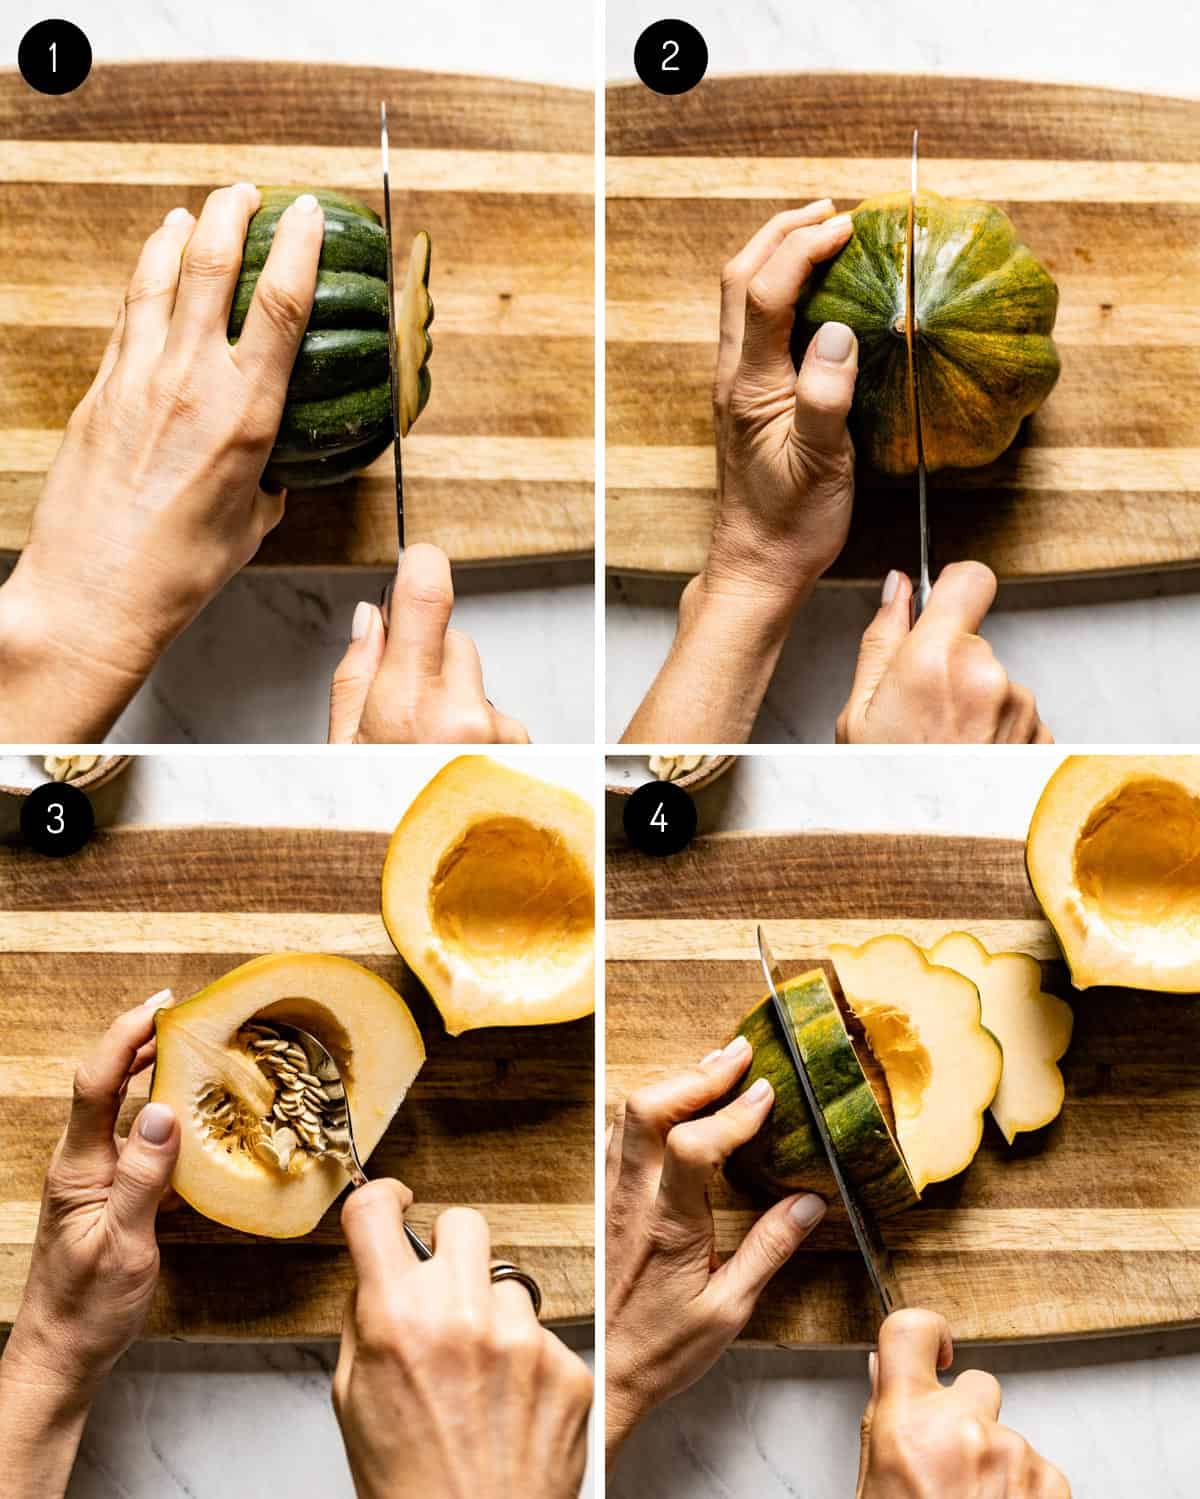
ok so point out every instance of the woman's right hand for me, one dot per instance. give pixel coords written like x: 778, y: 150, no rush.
x: 937, y: 682
x: 925, y: 1440
x: 446, y: 1386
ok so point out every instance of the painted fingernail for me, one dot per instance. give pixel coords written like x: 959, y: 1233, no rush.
x: 757, y: 1093
x: 807, y: 1211
x: 872, y: 1365
x: 249, y: 186
x: 361, y: 622
x: 305, y: 203
x: 178, y: 216
x: 155, y: 1123
x: 890, y: 584
x: 736, y: 1047
x: 160, y: 1000
x: 711, y: 1057
x: 835, y: 343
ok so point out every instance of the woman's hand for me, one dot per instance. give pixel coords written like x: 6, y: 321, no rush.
x: 785, y: 487
x: 95, y: 1260
x: 414, y: 680
x: 925, y: 1440
x: 446, y: 1384
x: 154, y: 500
x: 936, y: 682
x: 673, y: 1308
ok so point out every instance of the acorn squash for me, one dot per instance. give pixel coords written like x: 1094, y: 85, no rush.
x: 1113, y: 855
x: 232, y: 1166
x: 984, y: 313
x: 489, y: 896
x: 786, y: 1155
x: 337, y: 418
x: 1033, y: 1029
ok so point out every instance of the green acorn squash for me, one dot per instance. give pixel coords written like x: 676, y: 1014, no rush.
x: 786, y: 1155
x: 984, y: 311
x: 338, y: 413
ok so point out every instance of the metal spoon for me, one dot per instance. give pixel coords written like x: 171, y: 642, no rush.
x: 348, y: 1157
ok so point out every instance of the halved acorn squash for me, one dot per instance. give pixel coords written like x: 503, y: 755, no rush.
x: 207, y: 1070
x: 489, y: 895
x: 1113, y: 855
x: 984, y: 309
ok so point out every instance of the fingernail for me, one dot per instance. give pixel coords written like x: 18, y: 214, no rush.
x: 872, y: 1365
x: 249, y: 186
x: 711, y: 1057
x: 807, y: 1211
x: 890, y: 584
x: 160, y: 1000
x: 305, y: 203
x: 834, y: 343
x: 757, y: 1092
x: 361, y: 623
x: 840, y: 222
x: 155, y: 1123
x: 736, y: 1047
x: 178, y: 216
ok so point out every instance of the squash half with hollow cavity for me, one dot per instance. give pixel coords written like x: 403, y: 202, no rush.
x: 489, y: 895
x: 207, y: 1069
x: 1113, y: 855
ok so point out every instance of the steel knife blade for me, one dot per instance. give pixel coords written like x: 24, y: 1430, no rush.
x: 921, y: 595
x: 393, y: 346
x: 875, y: 1253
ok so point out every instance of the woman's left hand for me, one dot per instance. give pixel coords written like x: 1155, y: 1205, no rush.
x: 95, y: 1256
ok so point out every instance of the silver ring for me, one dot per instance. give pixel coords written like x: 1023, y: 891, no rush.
x: 505, y: 1271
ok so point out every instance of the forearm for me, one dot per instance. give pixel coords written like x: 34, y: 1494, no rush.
x: 67, y: 673
x: 713, y: 682
x: 42, y: 1416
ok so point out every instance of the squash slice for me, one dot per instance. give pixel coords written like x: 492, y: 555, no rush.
x: 924, y: 1025
x: 206, y: 1070
x: 1033, y: 1028
x: 489, y: 895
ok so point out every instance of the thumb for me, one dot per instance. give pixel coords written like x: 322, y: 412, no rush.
x: 882, y: 639
x: 825, y: 390
x: 355, y: 673
x: 767, y: 1248
x: 144, y: 1169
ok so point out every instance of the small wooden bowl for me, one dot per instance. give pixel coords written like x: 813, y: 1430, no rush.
x: 106, y: 769
x: 694, y: 780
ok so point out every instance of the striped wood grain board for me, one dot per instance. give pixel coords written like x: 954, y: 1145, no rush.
x: 1092, y: 1226
x: 500, y: 1119
x: 1105, y: 188
x: 501, y: 465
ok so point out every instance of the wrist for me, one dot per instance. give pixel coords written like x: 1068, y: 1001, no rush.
x: 766, y: 568
x: 756, y: 613
x: 624, y: 1411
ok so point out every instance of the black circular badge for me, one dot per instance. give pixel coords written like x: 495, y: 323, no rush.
x: 54, y: 57
x: 671, y: 57
x: 660, y: 818
x: 57, y: 819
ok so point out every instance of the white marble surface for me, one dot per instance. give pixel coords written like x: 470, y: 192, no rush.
x: 1103, y: 658
x: 256, y: 666
x: 1116, y: 1414
x: 230, y: 1421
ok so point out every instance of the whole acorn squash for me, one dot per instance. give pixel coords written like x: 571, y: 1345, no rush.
x: 984, y: 312
x: 337, y: 418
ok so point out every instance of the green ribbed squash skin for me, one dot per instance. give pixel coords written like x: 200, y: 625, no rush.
x: 786, y: 1155
x: 985, y: 308
x: 337, y: 418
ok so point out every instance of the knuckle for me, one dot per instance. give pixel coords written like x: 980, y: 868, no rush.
x: 984, y: 678
x: 641, y: 1107
x: 86, y: 1089
x: 472, y: 725
x: 731, y: 273
x: 759, y: 297
x: 211, y: 262
x: 693, y: 1146
x: 284, y: 308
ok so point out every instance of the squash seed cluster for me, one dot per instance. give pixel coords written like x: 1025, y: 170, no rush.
x: 309, y: 1111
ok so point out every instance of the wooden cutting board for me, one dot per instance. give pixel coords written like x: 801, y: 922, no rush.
x: 1092, y: 1226
x: 500, y: 1120
x: 1104, y: 187
x: 501, y: 465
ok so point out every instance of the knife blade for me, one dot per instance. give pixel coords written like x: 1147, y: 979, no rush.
x: 875, y: 1253
x: 921, y: 595
x: 393, y: 346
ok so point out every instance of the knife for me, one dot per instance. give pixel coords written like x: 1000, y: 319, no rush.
x: 393, y: 350
x: 921, y: 596
x: 875, y: 1253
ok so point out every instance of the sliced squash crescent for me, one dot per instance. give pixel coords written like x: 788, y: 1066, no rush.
x: 924, y: 1025
x: 414, y: 314
x: 207, y: 1071
x: 489, y: 895
x: 1113, y: 855
x: 1033, y: 1028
